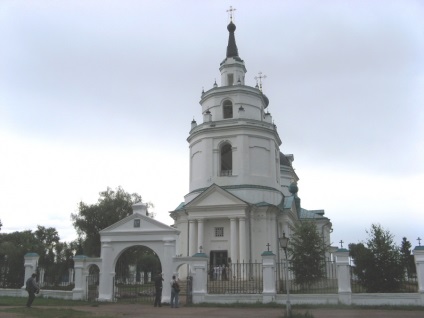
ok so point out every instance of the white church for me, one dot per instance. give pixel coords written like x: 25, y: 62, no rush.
x: 243, y: 188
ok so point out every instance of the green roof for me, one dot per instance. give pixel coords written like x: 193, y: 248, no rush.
x: 311, y: 214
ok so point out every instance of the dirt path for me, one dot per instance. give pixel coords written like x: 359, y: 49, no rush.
x: 148, y: 311
x: 145, y: 311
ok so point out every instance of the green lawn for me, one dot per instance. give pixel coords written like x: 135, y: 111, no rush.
x: 21, y: 311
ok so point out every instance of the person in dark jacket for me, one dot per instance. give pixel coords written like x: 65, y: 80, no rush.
x: 32, y: 288
x: 158, y: 289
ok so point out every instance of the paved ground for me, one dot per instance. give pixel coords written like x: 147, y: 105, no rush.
x: 145, y: 311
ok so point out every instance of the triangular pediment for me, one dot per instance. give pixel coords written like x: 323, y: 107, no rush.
x: 136, y: 223
x: 215, y: 196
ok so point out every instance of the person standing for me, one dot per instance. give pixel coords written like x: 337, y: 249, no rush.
x: 158, y: 290
x: 32, y: 288
x: 175, y: 289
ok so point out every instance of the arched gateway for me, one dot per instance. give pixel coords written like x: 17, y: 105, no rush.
x: 136, y: 229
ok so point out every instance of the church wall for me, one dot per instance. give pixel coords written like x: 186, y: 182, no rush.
x: 259, y: 153
x: 251, y: 102
x: 213, y: 243
x: 264, y: 231
x: 253, y: 157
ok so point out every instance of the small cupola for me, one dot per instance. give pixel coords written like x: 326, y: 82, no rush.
x: 232, y: 68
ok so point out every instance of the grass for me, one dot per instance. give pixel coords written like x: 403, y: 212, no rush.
x: 306, y: 307
x: 40, y: 310
x: 50, y: 313
x: 39, y: 301
x: 41, y: 307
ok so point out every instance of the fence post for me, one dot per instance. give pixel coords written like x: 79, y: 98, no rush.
x: 30, y: 264
x: 343, y: 276
x: 200, y: 268
x: 79, y: 292
x: 269, y: 277
x: 419, y: 263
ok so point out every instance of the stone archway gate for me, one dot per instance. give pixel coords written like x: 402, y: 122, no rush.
x: 136, y: 229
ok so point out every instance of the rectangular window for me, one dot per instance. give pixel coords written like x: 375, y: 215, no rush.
x: 137, y: 223
x: 219, y: 232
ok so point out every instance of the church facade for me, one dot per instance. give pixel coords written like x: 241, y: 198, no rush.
x: 242, y: 188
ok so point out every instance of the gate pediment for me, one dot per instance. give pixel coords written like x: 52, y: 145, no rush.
x: 138, y: 223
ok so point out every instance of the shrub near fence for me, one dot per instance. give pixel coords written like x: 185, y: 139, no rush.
x: 236, y: 278
x: 326, y: 285
x: 407, y: 285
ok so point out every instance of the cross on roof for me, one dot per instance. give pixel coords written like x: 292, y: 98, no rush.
x: 230, y: 12
x: 259, y: 79
x: 419, y: 241
x: 341, y: 243
x: 200, y: 249
x: 268, y: 245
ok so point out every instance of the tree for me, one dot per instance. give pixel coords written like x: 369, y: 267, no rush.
x: 307, y: 252
x: 406, y: 258
x: 111, y: 207
x: 13, y: 247
x: 49, y: 238
x: 378, y: 263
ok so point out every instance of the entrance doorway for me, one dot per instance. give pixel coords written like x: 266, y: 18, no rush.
x: 135, y: 271
x: 218, y: 258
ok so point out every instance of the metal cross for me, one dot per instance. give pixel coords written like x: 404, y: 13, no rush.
x: 200, y: 249
x: 230, y: 12
x: 341, y: 243
x: 268, y: 245
x: 419, y: 241
x: 259, y: 78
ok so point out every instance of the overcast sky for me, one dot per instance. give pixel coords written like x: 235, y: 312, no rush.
x: 101, y: 93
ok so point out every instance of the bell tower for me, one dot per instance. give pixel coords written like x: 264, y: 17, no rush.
x: 237, y: 145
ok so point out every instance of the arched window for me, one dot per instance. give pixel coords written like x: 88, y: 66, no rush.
x: 228, y: 109
x: 226, y: 160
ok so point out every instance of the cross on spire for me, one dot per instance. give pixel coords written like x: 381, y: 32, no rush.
x: 341, y: 243
x: 259, y: 79
x: 230, y: 12
x: 419, y: 241
x: 268, y: 245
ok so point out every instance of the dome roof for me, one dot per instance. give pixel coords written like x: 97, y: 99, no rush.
x: 293, y: 188
x: 266, y: 100
x: 231, y: 27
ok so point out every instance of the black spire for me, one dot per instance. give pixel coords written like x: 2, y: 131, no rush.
x: 232, y: 47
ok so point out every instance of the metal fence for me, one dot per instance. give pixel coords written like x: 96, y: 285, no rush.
x: 236, y: 278
x: 326, y: 285
x: 92, y: 287
x: 406, y: 285
x: 12, y: 274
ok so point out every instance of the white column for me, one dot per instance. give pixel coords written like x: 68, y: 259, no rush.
x: 31, y: 262
x: 269, y: 277
x: 79, y: 291
x: 343, y: 276
x: 192, y: 238
x: 199, y: 235
x: 242, y: 239
x: 107, y: 273
x: 200, y: 268
x: 233, y: 240
x: 419, y: 263
x: 168, y: 269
